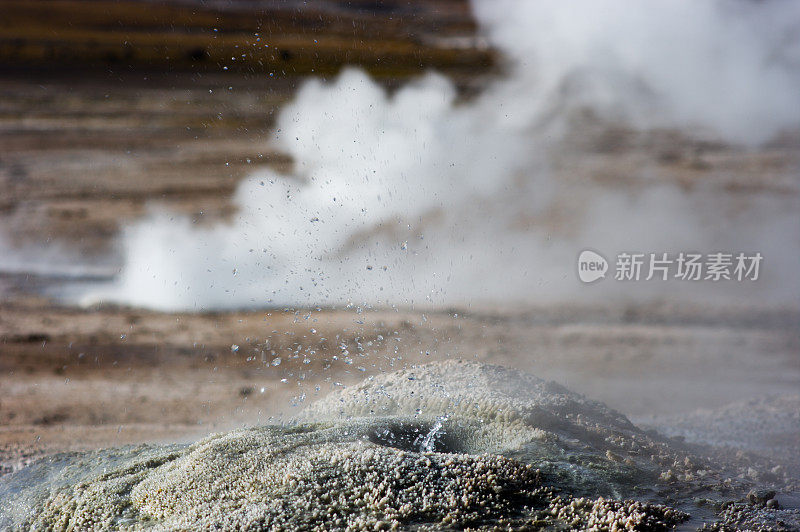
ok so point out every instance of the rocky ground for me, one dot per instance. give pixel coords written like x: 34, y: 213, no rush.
x: 454, y: 444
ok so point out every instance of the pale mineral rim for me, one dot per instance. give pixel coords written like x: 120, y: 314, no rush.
x: 452, y: 444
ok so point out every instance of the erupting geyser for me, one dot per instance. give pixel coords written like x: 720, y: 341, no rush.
x: 503, y: 448
x: 417, y: 198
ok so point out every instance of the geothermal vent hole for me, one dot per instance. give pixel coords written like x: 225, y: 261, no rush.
x: 417, y: 436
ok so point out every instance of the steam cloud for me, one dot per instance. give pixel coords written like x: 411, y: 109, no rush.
x: 418, y: 198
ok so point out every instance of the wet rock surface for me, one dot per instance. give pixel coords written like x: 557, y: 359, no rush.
x: 769, y: 426
x: 450, y: 444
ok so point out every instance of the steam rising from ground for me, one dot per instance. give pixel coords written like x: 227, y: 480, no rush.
x: 416, y: 197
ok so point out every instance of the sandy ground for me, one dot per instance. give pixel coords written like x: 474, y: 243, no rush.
x: 84, y: 379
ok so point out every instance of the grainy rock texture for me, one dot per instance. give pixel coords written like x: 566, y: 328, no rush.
x: 450, y: 444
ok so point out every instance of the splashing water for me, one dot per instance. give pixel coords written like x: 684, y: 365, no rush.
x: 428, y: 443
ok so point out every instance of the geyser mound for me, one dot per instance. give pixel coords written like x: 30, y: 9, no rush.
x: 447, y: 444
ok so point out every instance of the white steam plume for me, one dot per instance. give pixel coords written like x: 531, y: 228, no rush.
x: 415, y: 198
